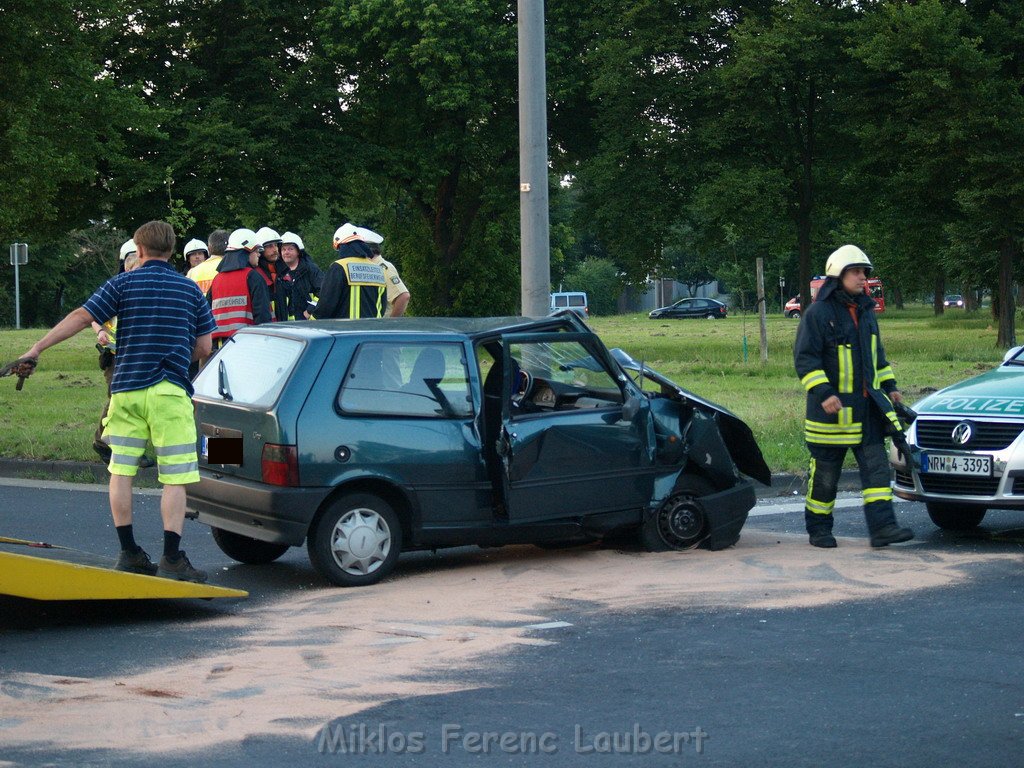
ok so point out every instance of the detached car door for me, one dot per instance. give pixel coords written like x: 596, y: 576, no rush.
x: 567, y: 445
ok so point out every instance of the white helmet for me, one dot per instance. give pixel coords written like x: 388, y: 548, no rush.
x: 293, y: 239
x: 243, y: 240
x: 265, y: 236
x: 844, y: 258
x: 194, y: 245
x: 128, y: 247
x: 348, y: 232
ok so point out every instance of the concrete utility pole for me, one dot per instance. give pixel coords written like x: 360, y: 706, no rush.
x: 535, y: 247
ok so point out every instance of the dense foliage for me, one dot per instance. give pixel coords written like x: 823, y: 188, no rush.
x: 685, y: 138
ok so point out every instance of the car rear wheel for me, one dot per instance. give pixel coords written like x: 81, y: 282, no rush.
x: 709, y: 316
x: 247, y: 550
x: 356, y: 541
x: 794, y: 314
x: 955, y: 517
x: 681, y: 522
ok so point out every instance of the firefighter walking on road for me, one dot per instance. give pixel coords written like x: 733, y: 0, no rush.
x: 850, y: 393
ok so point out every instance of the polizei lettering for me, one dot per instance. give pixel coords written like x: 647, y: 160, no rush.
x: 1011, y: 405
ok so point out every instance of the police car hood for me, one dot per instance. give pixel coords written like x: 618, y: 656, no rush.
x: 999, y: 393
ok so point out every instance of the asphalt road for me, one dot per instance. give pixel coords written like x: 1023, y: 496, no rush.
x: 929, y: 677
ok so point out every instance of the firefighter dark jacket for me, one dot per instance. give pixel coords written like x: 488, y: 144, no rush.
x: 836, y: 356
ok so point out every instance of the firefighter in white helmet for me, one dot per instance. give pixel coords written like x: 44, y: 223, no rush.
x: 306, y: 277
x: 238, y: 295
x: 850, y: 393
x: 275, y: 272
x: 196, y: 253
x: 354, y: 287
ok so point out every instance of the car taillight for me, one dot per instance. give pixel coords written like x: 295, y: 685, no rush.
x: 280, y: 464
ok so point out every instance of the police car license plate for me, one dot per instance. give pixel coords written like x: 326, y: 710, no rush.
x: 952, y: 464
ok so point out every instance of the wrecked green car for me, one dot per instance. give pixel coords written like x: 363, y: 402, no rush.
x: 363, y: 439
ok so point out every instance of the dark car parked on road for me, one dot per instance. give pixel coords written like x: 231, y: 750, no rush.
x: 712, y: 309
x: 368, y: 438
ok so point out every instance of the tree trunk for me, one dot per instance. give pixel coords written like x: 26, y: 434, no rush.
x: 897, y: 298
x: 939, y: 294
x: 1007, y: 310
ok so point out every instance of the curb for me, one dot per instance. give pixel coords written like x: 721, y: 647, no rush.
x: 783, y: 483
x: 65, y: 470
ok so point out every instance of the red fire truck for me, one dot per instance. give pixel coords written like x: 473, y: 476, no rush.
x: 874, y: 288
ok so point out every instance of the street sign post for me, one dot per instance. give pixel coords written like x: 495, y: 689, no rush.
x: 19, y: 258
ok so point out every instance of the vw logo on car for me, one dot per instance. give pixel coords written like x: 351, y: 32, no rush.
x: 963, y: 432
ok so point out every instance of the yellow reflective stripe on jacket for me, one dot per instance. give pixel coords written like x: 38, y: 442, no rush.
x: 845, y: 417
x: 874, y: 361
x: 823, y: 433
x: 833, y: 429
x: 886, y: 374
x: 813, y: 379
x: 845, y: 368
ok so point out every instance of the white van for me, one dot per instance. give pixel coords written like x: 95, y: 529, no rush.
x: 574, y: 300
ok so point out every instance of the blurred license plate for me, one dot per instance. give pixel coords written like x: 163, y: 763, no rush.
x: 952, y: 464
x: 221, y: 450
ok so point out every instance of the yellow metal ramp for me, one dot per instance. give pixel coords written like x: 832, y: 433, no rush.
x: 51, y: 577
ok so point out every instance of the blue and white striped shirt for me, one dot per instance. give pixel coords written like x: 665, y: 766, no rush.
x: 160, y: 314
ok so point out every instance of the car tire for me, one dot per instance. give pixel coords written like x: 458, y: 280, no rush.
x: 955, y: 517
x: 680, y: 523
x: 709, y: 316
x: 795, y: 314
x: 356, y: 541
x: 247, y: 550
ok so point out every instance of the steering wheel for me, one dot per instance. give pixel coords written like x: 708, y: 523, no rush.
x: 524, y: 386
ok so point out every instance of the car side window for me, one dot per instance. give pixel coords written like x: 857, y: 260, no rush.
x: 404, y: 379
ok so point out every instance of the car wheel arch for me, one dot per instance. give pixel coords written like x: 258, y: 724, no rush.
x: 389, y: 492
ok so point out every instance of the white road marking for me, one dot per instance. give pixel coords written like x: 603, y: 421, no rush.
x: 774, y: 508
x: 549, y: 625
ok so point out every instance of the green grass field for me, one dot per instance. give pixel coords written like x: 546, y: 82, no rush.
x: 54, y: 416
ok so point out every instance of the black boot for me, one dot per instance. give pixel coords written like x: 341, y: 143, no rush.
x: 819, y: 530
x: 890, y: 534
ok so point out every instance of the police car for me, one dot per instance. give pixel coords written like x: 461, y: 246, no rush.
x: 966, y: 448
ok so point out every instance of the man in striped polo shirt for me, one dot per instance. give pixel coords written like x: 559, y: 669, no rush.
x: 163, y: 323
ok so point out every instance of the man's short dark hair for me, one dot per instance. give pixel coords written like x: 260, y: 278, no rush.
x: 217, y: 242
x: 374, y: 248
x: 157, y: 237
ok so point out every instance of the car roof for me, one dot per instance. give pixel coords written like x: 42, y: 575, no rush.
x: 471, y: 327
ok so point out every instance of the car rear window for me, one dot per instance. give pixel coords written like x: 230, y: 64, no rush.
x: 576, y: 301
x: 250, y: 369
x: 405, y: 379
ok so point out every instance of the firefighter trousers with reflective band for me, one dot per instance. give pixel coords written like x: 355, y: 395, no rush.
x: 827, y: 463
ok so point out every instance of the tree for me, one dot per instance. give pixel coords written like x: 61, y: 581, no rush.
x: 775, y: 135
x: 600, y: 279
x: 430, y: 101
x: 248, y: 114
x: 65, y: 118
